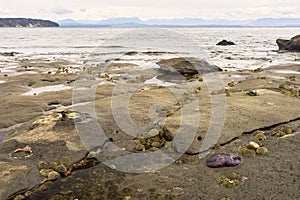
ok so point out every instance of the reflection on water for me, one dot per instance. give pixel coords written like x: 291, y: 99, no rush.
x: 52, y: 88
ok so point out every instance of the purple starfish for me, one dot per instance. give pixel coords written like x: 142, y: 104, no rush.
x: 223, y: 160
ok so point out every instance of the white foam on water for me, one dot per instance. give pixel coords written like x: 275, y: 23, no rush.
x: 286, y: 71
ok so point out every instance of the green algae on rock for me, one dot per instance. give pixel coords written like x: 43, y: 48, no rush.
x: 282, y: 131
x: 229, y: 181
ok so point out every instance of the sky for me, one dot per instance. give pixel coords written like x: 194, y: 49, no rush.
x: 95, y: 10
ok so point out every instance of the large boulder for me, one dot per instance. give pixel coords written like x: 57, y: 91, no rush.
x: 289, y: 45
x: 188, y: 67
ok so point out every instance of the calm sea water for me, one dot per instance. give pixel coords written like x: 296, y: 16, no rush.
x: 255, y: 47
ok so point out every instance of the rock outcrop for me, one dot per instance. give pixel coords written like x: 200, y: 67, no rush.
x: 188, y: 67
x: 24, y: 22
x: 290, y: 45
x: 225, y: 43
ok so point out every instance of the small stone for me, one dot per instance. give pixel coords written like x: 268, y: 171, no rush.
x: 252, y: 145
x: 231, y: 84
x: 170, y: 113
x: 251, y: 93
x: 197, y: 90
x: 261, y: 150
x: 53, y: 175
x: 152, y: 133
x: 283, y: 86
x: 199, y: 77
x: 258, y: 70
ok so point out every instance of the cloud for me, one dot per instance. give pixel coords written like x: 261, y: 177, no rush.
x: 101, y: 9
x: 4, y: 11
x: 62, y: 11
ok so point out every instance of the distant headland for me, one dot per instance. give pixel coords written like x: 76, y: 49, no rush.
x: 26, y: 22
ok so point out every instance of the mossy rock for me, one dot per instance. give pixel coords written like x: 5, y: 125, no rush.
x: 280, y: 133
x: 261, y: 150
x: 244, y: 151
x: 42, y: 165
x: 252, y: 145
x: 53, y: 165
x: 65, y: 160
x: 287, y: 129
x: 44, y: 172
x: 228, y: 183
x: 139, y: 147
x: 156, y: 144
x: 53, y: 175
x: 259, y: 136
x: 292, y: 78
x: 61, y: 168
x: 232, y: 175
x: 231, y: 83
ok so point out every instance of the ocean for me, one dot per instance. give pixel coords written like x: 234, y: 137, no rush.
x: 255, y: 47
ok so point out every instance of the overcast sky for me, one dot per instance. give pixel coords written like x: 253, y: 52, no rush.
x: 145, y: 9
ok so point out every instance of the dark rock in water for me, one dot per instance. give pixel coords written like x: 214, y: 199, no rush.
x: 188, y: 67
x: 225, y: 43
x: 8, y: 54
x: 223, y: 160
x: 289, y: 45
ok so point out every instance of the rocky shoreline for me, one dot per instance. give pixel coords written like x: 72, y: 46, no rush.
x: 45, y: 156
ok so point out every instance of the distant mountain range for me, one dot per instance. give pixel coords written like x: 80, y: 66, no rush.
x: 190, y: 22
x: 25, y: 22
